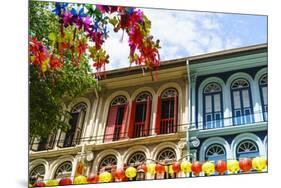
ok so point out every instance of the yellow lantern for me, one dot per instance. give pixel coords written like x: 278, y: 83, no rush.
x: 51, y: 183
x: 186, y: 167
x: 233, y: 166
x: 169, y: 169
x: 80, y: 180
x: 151, y: 168
x: 105, y: 177
x: 259, y: 163
x: 208, y: 168
x: 131, y: 172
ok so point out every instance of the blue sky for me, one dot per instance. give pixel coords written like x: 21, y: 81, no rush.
x: 187, y: 33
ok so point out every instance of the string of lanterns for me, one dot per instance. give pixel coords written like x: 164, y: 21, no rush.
x: 221, y: 167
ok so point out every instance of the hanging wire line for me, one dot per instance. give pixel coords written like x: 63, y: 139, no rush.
x: 191, y: 126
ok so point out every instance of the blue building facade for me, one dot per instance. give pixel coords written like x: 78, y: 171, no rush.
x: 228, y: 104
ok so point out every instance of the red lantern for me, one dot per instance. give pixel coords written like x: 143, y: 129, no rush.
x: 245, y: 164
x: 142, y: 166
x: 196, y: 167
x: 176, y: 167
x: 120, y: 174
x: 93, y: 178
x: 221, y: 166
x: 39, y: 184
x: 159, y: 168
x: 65, y: 181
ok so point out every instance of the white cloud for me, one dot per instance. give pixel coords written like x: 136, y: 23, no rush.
x: 181, y: 34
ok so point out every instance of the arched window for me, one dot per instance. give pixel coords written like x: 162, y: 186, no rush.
x: 247, y: 149
x: 167, y: 112
x: 116, y: 120
x: 64, y: 170
x: 136, y: 159
x: 263, y: 91
x: 242, y: 109
x: 72, y: 137
x: 37, y: 174
x: 166, y: 157
x: 140, y: 115
x: 215, y: 152
x: 107, y: 163
x: 212, y: 106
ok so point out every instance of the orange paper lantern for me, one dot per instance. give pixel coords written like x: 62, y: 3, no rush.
x: 93, y: 178
x: 176, y: 167
x: 159, y: 168
x: 221, y: 166
x: 245, y: 164
x: 196, y: 168
x: 119, y: 174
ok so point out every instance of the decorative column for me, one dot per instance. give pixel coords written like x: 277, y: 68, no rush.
x: 192, y: 104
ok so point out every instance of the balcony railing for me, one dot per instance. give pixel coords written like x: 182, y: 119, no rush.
x: 167, y: 126
x: 139, y: 130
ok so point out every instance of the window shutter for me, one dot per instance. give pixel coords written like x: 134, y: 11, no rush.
x: 51, y: 141
x: 35, y: 144
x: 69, y: 138
x: 147, y: 116
x: 124, y: 121
x: 132, y: 119
x: 158, y: 115
x: 264, y: 95
x: 79, y: 127
x: 246, y: 98
x: 61, y: 139
x: 175, y: 113
x: 236, y: 99
x: 109, y: 130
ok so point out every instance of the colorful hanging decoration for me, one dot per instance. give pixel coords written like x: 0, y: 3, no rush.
x: 196, y: 168
x: 80, y: 180
x: 259, y: 163
x: 105, y: 177
x: 245, y: 164
x: 169, y: 169
x: 79, y: 169
x: 159, y: 168
x: 120, y: 174
x: 39, y: 184
x: 93, y: 178
x: 176, y: 167
x: 65, y: 181
x: 131, y: 172
x: 186, y: 167
x: 143, y: 167
x: 151, y: 168
x: 84, y: 28
x: 208, y: 168
x: 51, y: 183
x: 233, y: 166
x: 221, y: 167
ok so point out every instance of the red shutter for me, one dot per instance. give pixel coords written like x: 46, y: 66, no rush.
x: 111, y: 119
x: 158, y: 115
x: 175, y: 113
x: 132, y: 119
x: 124, y: 121
x: 147, y: 116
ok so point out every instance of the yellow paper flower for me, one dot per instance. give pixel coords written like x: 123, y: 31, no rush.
x: 259, y: 163
x: 131, y: 172
x: 208, y: 168
x: 233, y: 166
x: 105, y: 177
